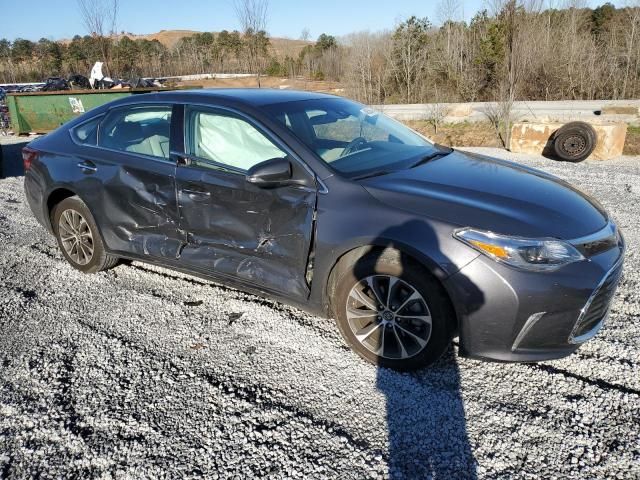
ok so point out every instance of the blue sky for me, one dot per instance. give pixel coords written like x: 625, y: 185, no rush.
x: 34, y: 19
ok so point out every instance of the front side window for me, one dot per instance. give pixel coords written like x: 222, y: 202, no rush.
x: 144, y: 131
x: 229, y: 141
x: 351, y: 138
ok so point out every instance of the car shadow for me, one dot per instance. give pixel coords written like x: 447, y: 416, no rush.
x: 425, y: 416
x: 11, y: 157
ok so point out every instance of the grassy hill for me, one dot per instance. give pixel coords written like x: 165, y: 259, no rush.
x: 169, y: 38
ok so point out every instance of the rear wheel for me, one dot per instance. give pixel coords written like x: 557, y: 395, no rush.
x: 78, y: 237
x: 393, y: 313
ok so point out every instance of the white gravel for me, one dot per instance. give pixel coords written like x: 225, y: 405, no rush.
x: 140, y: 372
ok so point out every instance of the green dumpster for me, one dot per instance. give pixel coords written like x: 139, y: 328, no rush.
x: 42, y: 112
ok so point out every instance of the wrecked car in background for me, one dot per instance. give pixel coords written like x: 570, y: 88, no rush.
x: 328, y: 205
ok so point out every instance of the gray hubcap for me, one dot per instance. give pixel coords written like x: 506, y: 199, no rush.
x: 389, y: 317
x: 574, y: 145
x: 76, y: 237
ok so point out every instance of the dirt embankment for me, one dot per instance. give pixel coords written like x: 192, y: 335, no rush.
x: 482, y: 134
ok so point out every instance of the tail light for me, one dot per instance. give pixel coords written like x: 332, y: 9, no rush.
x: 28, y: 156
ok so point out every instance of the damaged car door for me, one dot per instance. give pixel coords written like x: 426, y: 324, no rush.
x: 139, y: 200
x: 236, y: 225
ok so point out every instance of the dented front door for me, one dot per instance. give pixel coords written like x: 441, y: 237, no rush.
x: 233, y: 228
x: 259, y: 236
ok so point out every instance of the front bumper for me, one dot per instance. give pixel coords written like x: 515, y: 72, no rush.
x: 505, y: 314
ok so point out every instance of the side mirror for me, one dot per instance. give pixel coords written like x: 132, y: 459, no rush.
x: 270, y: 173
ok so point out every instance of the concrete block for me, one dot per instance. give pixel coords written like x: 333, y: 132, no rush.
x: 534, y: 138
x: 459, y: 110
x: 620, y: 110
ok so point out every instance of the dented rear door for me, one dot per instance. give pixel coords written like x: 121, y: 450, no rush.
x: 137, y: 198
x: 258, y: 236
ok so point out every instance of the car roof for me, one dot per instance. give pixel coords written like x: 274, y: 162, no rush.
x: 254, y: 97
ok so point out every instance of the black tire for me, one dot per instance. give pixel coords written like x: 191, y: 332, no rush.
x: 99, y: 259
x: 574, y: 142
x: 390, y: 262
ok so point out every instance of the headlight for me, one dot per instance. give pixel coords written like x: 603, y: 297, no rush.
x: 527, y: 253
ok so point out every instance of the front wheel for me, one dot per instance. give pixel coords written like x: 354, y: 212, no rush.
x: 78, y: 237
x: 392, y: 312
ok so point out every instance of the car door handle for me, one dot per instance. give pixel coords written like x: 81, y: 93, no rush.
x: 88, y: 166
x: 201, y: 193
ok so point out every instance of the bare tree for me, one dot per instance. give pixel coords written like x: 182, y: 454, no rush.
x: 367, y: 67
x: 435, y: 115
x: 511, y: 51
x: 305, y: 35
x: 521, y: 23
x: 448, y: 13
x: 253, y: 16
x: 630, y: 40
x: 100, y: 18
x: 408, y: 56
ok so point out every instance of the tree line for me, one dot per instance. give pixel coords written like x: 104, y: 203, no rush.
x: 125, y: 57
x: 515, y: 50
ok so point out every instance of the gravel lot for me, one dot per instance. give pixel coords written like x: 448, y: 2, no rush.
x: 141, y: 372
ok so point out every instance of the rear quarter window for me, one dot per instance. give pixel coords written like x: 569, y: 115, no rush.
x: 87, y: 132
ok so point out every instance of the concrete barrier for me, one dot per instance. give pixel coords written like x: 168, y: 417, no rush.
x: 535, y: 138
x: 596, y: 111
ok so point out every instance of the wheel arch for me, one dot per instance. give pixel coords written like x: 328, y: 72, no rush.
x: 54, y: 197
x: 351, y: 255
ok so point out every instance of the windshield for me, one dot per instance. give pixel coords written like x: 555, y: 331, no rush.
x: 351, y: 138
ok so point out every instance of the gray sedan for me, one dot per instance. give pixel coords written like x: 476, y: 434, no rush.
x: 325, y: 204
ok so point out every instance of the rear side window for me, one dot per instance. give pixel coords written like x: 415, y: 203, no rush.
x: 87, y: 133
x: 144, y: 131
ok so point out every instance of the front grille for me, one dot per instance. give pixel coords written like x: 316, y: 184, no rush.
x: 599, y: 303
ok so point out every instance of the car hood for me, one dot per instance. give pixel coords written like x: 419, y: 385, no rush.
x: 470, y: 190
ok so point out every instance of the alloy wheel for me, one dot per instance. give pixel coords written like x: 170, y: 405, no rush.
x: 389, y: 317
x: 75, y: 236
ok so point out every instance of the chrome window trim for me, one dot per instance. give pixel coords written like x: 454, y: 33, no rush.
x: 214, y: 165
x: 188, y: 111
x: 72, y: 130
x: 132, y: 106
x: 321, y: 185
x: 135, y: 154
x: 277, y: 141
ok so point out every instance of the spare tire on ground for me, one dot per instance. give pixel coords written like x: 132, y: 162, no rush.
x: 574, y: 142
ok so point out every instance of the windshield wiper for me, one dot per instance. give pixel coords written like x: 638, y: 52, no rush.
x: 443, y: 151
x: 427, y: 158
x: 375, y: 173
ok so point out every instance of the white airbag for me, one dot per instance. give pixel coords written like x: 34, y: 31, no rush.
x: 232, y: 141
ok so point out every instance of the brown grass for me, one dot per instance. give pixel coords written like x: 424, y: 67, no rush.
x: 466, y: 134
x: 270, y: 82
x: 169, y: 38
x: 482, y: 135
x: 632, y: 143
x: 620, y: 110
